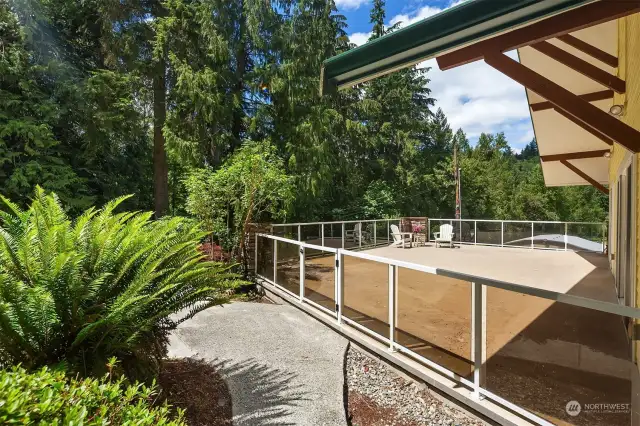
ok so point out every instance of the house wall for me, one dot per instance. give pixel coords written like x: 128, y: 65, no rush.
x: 628, y: 70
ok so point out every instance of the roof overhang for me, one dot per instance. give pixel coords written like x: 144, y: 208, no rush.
x: 567, y: 63
x: 458, y: 26
x: 555, y: 133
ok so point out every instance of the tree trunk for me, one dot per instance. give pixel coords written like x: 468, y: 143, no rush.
x: 241, y: 64
x: 160, y: 167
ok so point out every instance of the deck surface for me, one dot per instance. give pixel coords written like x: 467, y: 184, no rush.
x: 540, y: 354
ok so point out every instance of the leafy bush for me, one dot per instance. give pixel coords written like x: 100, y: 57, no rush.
x: 106, y: 284
x: 47, y: 397
x: 250, y: 187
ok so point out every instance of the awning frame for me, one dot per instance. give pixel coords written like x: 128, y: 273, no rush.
x: 567, y: 17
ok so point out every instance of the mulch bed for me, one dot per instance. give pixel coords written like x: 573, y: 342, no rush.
x: 196, y: 387
x: 363, y: 411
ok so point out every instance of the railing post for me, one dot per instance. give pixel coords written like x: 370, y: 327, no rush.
x: 604, y: 236
x: 532, y: 235
x: 427, y: 238
x: 393, y: 282
x: 478, y: 336
x: 322, y: 234
x: 299, y: 233
x: 566, y: 236
x: 360, y: 234
x: 275, y: 259
x: 343, y: 232
x: 375, y: 232
x: 255, y: 259
x: 475, y: 232
x: 339, y: 285
x: 302, y: 272
x: 388, y: 230
x: 501, y: 233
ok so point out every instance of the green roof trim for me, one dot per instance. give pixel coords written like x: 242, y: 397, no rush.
x: 451, y: 28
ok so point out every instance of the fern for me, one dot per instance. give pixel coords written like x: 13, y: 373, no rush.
x: 106, y: 284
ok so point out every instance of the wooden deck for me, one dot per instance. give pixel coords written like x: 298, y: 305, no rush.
x: 540, y: 354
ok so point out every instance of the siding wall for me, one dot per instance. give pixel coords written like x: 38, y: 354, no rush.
x: 630, y: 34
x: 628, y: 70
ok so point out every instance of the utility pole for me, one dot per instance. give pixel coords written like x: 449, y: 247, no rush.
x: 456, y: 174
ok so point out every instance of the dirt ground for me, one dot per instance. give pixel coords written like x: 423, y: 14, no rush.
x: 540, y: 354
x: 196, y: 387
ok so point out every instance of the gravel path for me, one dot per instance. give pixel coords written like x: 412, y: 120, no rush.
x: 282, y: 367
x: 412, y: 403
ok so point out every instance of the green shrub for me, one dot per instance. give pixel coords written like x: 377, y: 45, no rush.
x: 250, y: 187
x: 48, y: 397
x: 79, y: 292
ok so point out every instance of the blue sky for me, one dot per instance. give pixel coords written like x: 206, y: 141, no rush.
x: 474, y: 97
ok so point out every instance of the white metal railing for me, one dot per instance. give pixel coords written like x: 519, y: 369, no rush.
x: 478, y: 303
x: 349, y: 234
x: 542, y: 235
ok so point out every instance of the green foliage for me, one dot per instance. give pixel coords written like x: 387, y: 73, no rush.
x: 251, y: 186
x: 47, y: 397
x: 107, y: 284
x: 379, y: 201
x: 85, y: 88
x: 29, y: 150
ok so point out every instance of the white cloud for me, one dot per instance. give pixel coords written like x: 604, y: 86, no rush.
x: 359, y: 38
x: 475, y: 97
x: 456, y: 2
x: 419, y: 15
x: 350, y: 4
x: 527, y: 136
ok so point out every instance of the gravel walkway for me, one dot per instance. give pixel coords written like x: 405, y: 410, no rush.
x: 282, y: 367
x: 411, y: 404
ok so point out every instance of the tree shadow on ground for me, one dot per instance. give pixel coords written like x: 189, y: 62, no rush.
x: 262, y: 395
x: 223, y: 392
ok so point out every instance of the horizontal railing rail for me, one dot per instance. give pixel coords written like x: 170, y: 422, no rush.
x: 334, y: 222
x: 541, y: 235
x: 288, y: 273
x: 444, y: 219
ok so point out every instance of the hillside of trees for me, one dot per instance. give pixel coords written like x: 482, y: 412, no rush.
x: 102, y: 98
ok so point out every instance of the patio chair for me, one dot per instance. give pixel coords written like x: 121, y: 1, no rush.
x: 445, y: 236
x: 356, y: 234
x: 400, y: 239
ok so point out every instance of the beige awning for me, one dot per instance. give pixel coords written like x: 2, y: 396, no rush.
x: 555, y: 133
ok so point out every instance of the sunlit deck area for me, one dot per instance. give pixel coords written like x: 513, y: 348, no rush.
x: 540, y: 354
x: 579, y: 273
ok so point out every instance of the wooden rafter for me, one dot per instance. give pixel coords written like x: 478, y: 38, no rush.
x: 586, y: 177
x: 580, y: 110
x: 585, y: 127
x: 564, y: 23
x: 580, y: 65
x: 574, y: 155
x: 589, y: 97
x: 589, y: 49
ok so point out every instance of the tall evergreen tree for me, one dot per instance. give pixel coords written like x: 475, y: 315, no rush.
x: 529, y: 151
x: 107, y: 97
x: 30, y: 154
x: 377, y: 16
